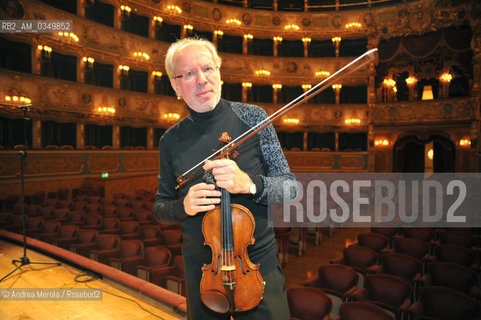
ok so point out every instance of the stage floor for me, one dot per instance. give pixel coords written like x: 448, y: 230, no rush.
x: 117, y: 302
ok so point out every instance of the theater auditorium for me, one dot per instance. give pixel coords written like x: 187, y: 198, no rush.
x: 85, y: 99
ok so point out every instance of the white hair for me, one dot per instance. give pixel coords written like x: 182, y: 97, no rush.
x: 180, y: 44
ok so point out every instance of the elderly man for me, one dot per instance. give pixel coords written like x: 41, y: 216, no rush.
x: 259, y: 173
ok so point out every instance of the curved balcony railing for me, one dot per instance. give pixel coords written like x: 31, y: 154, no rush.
x: 70, y: 101
x: 65, y: 101
x: 425, y: 112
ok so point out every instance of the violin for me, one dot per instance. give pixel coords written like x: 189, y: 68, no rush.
x: 231, y: 282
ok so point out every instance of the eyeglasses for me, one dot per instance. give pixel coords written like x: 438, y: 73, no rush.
x: 191, y: 74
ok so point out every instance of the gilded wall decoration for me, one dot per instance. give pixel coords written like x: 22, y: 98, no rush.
x: 320, y: 22
x: 135, y: 162
x: 96, y: 37
x: 142, y: 104
x: 448, y: 108
x: 352, y: 162
x: 291, y: 67
x: 186, y: 7
x: 314, y: 161
x: 216, y: 14
x: 45, y: 165
x: 306, y: 21
x: 387, y: 17
x: 276, y: 20
x: 86, y: 98
x: 369, y: 19
x: 103, y: 163
x: 10, y: 166
x: 62, y: 95
x: 456, y: 109
x: 262, y: 20
x: 200, y: 11
x: 321, y: 114
x: 337, y: 21
x: 247, y: 18
x: 61, y: 165
x: 420, y: 20
x: 36, y: 15
x: 306, y: 67
x: 122, y: 102
x: 12, y: 8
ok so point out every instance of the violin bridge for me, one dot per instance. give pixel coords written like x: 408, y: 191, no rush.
x: 227, y: 268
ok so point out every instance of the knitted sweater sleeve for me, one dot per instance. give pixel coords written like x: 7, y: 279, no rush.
x: 168, y: 207
x: 279, y: 181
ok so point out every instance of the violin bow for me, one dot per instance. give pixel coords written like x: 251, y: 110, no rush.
x: 348, y: 69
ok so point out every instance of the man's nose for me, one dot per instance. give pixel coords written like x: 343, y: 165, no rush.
x: 201, y: 77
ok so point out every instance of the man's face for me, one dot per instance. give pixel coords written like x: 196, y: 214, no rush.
x: 199, y: 81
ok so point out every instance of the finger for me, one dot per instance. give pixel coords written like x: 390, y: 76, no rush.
x: 207, y: 193
x: 193, y: 210
x: 206, y: 201
x: 203, y: 208
x: 225, y: 180
x: 226, y: 184
x: 211, y: 164
x: 203, y: 186
x: 227, y: 170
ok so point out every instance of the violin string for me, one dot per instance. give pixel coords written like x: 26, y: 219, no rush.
x: 324, y: 84
x: 224, y: 236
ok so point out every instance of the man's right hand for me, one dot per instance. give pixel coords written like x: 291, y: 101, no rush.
x: 201, y: 197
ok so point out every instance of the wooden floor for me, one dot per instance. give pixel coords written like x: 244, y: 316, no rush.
x: 117, y: 302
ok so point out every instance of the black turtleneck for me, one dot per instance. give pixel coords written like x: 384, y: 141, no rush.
x: 195, y: 138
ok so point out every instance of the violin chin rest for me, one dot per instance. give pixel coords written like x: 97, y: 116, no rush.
x: 216, y: 301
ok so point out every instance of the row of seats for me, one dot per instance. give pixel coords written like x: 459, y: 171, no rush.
x: 154, y: 263
x: 53, y: 231
x: 436, y: 303
x: 13, y: 222
x: 398, y: 273
x: 120, y: 232
x: 428, y: 244
x: 87, y: 211
x: 86, y: 193
x: 152, y: 257
x: 306, y: 303
x: 395, y: 294
x: 467, y: 237
x: 92, y: 204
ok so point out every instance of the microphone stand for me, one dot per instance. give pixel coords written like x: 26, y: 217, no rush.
x: 24, y: 260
